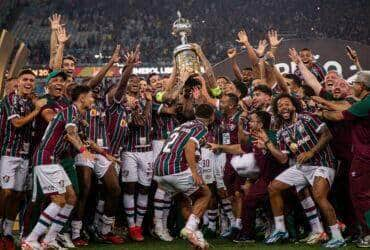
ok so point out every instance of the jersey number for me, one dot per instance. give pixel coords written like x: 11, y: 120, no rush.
x: 167, y: 147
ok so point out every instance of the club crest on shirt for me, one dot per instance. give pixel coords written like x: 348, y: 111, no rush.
x: 93, y: 112
x: 123, y: 123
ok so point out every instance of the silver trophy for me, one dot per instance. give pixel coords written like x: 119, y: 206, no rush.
x: 185, y: 56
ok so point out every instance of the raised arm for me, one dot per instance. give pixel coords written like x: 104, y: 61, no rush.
x: 62, y: 39
x: 207, y: 66
x: 54, y: 25
x: 274, y: 41
x: 270, y: 60
x: 352, y: 54
x: 309, y: 78
x: 231, y: 53
x: 132, y: 58
x: 93, y: 82
x: 243, y: 40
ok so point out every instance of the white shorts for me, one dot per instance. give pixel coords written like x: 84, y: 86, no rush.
x: 52, y: 179
x: 13, y: 173
x: 245, y: 165
x: 182, y: 182
x: 206, y: 166
x: 157, y: 147
x: 137, y: 167
x: 99, y: 166
x: 302, y: 176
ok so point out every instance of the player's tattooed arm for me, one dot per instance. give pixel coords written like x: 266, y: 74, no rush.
x: 263, y: 139
x: 324, y: 139
x: 235, y: 149
x: 21, y: 121
x: 207, y: 65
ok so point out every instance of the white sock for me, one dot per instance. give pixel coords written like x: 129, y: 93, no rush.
x: 129, y: 206
x: 107, y: 224
x: 98, y: 213
x: 76, y: 229
x: 58, y: 223
x: 158, y: 207
x: 8, y: 227
x: 166, y: 209
x: 212, y: 219
x: 280, y: 223
x: 312, y: 215
x: 227, y: 210
x: 141, y: 207
x: 335, y: 232
x: 205, y: 218
x: 238, y: 223
x: 44, y: 221
x: 192, y: 222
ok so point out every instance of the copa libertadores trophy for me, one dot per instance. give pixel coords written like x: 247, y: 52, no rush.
x: 185, y: 56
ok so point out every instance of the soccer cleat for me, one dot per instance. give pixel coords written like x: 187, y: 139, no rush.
x: 65, y: 240
x: 30, y: 245
x: 315, y: 238
x: 79, y: 242
x: 342, y: 226
x: 52, y: 245
x: 231, y: 233
x: 112, y: 238
x: 162, y: 234
x: 135, y: 234
x: 194, y: 237
x: 364, y: 242
x: 335, y: 243
x: 167, y: 235
x: 276, y: 237
x: 8, y: 242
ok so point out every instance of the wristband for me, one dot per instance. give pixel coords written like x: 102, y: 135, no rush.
x: 82, y: 149
x: 216, y: 91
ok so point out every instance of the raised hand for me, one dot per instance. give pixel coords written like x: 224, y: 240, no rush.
x: 55, y: 21
x: 273, y: 38
x: 262, y: 45
x: 133, y: 57
x: 352, y: 54
x: 242, y: 37
x: 116, y: 54
x: 62, y: 35
x: 231, y: 53
x: 294, y: 56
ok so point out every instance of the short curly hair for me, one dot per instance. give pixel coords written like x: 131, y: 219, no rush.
x: 294, y: 101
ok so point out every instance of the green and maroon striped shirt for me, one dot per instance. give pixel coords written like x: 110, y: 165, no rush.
x: 172, y: 159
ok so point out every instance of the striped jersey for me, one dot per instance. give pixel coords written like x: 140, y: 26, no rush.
x: 163, y: 124
x: 53, y: 146
x: 16, y: 141
x: 305, y: 133
x: 138, y: 138
x: 56, y: 104
x: 96, y: 130
x: 172, y: 159
x: 117, y: 126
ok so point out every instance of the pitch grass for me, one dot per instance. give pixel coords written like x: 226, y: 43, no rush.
x: 179, y: 244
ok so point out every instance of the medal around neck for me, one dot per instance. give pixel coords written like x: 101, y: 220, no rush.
x: 185, y: 56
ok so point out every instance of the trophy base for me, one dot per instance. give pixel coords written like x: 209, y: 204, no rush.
x: 186, y: 59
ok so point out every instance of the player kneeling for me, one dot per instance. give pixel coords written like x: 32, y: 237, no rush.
x: 176, y: 170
